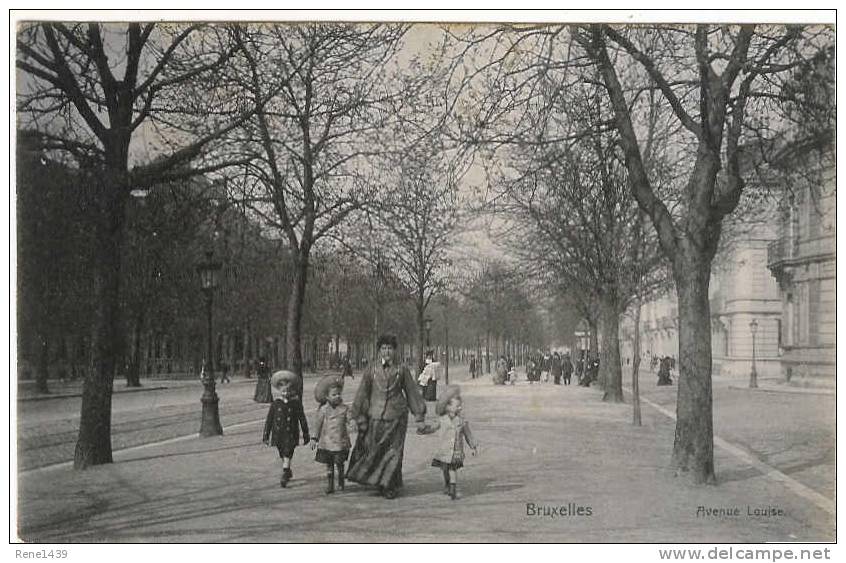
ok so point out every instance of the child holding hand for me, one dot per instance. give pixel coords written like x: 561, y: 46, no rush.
x: 332, y: 438
x: 453, y: 430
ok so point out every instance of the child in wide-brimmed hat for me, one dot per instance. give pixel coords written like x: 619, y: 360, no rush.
x: 284, y: 420
x: 454, y: 431
x: 331, y: 438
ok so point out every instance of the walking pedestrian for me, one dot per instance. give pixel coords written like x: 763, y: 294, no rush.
x: 500, y: 371
x: 224, y: 372
x: 555, y: 368
x: 263, y: 393
x: 664, y: 372
x: 428, y: 378
x: 567, y: 369
x: 530, y: 371
x: 347, y: 368
x: 385, y: 396
x: 454, y: 431
x: 473, y: 366
x: 331, y: 436
x: 284, y: 420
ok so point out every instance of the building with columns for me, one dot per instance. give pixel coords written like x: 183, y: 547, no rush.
x: 802, y: 261
x: 741, y: 291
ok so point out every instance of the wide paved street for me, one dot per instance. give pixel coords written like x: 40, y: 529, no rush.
x: 543, y: 446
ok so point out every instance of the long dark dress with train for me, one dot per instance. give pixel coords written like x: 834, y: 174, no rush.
x: 383, y: 400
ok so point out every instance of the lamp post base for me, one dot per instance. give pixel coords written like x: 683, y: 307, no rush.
x: 753, y: 379
x: 210, y: 424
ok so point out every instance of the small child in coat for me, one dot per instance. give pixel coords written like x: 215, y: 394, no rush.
x: 284, y: 420
x: 454, y: 430
x: 331, y: 438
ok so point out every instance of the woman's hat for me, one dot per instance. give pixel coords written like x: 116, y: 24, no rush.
x: 321, y: 390
x: 446, y: 395
x: 389, y: 339
x: 281, y: 377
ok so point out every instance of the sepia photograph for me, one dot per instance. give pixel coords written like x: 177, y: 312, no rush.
x: 430, y: 278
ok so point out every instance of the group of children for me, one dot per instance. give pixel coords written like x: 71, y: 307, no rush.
x: 333, y: 423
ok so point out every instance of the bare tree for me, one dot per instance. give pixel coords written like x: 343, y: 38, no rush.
x: 90, y: 90
x: 325, y: 85
x: 716, y: 80
x: 420, y: 211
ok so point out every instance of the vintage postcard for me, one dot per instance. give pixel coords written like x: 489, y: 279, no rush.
x: 512, y: 278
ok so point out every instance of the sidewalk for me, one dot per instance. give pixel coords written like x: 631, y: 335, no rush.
x: 542, y: 447
x: 781, y: 386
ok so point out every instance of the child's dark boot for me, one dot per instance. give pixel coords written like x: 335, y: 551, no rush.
x: 446, y: 481
x: 453, y: 494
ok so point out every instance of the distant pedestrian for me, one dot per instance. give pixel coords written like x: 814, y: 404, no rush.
x: 531, y: 371
x: 331, y: 436
x: 664, y: 377
x: 454, y: 430
x: 473, y: 367
x: 428, y: 378
x: 567, y: 369
x: 347, y: 368
x: 263, y: 394
x: 556, y: 368
x: 284, y: 420
x: 546, y: 364
x: 500, y: 371
x: 224, y: 372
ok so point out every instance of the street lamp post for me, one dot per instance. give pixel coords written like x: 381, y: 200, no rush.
x: 446, y: 343
x: 210, y: 424
x: 753, y: 375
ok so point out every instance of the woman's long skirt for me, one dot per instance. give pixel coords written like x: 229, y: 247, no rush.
x: 431, y: 391
x: 377, y: 456
x: 263, y: 394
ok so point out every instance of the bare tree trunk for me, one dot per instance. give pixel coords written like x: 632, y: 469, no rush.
x: 421, y: 344
x: 133, y: 374
x: 636, y: 418
x: 42, y: 373
x: 94, y: 445
x: 612, y: 371
x: 488, y: 351
x: 693, y: 449
x: 593, y: 342
x: 295, y: 314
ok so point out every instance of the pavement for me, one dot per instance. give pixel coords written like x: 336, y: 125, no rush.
x: 556, y: 464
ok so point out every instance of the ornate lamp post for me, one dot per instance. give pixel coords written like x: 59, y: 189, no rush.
x: 753, y: 375
x: 428, y: 324
x: 210, y: 425
x: 446, y: 343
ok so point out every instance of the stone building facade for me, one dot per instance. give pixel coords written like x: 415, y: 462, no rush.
x: 803, y: 262
x: 741, y: 290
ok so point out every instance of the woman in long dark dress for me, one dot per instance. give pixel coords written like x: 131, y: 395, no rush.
x: 263, y: 394
x: 384, y: 398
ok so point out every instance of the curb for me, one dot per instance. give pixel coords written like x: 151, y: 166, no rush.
x: 188, y: 383
x: 826, y: 392
x: 73, y: 395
